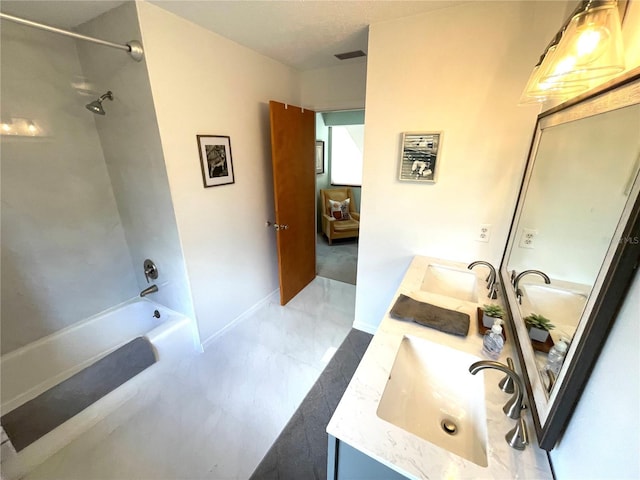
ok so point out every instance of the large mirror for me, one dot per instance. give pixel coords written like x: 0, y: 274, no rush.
x: 574, y: 243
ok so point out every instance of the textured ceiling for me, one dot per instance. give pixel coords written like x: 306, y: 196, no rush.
x: 304, y: 34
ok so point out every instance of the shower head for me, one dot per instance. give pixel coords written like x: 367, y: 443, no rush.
x: 96, y: 105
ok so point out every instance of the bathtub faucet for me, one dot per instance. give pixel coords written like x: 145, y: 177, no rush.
x: 151, y: 289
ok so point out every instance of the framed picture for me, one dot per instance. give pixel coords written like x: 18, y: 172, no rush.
x: 319, y: 156
x: 419, y: 159
x: 215, y: 160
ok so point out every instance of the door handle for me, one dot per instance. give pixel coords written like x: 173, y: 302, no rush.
x: 276, y: 225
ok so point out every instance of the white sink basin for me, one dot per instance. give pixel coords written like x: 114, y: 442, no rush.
x: 558, y: 305
x: 430, y: 393
x: 450, y: 282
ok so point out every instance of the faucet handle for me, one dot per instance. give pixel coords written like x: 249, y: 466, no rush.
x: 506, y: 384
x: 514, y: 406
x: 150, y: 270
x: 518, y: 437
x: 552, y: 379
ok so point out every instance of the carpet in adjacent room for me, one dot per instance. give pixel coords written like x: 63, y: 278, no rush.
x: 338, y: 261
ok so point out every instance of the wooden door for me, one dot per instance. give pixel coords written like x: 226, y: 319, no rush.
x: 292, y: 156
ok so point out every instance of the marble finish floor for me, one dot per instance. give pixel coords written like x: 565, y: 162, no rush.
x: 215, y: 415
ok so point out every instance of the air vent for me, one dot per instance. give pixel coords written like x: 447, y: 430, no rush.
x: 347, y: 55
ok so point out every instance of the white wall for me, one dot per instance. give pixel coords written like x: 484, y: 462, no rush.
x: 133, y: 153
x: 335, y: 88
x: 203, y: 83
x: 459, y: 70
x: 602, y: 440
x: 64, y: 254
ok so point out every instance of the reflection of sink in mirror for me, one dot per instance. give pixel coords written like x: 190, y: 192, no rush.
x: 431, y: 394
x: 558, y: 305
x: 451, y: 282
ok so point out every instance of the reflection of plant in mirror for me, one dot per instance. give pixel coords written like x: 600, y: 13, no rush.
x: 538, y: 321
x: 493, y: 310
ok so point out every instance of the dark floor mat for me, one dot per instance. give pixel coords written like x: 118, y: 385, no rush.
x: 300, y: 452
x: 39, y: 416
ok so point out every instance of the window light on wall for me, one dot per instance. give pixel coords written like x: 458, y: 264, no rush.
x: 20, y: 127
x: 346, y: 154
x: 588, y: 46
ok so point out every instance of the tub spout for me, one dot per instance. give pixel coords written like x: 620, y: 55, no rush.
x: 151, y: 289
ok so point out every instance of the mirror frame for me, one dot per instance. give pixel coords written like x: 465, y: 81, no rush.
x: 606, y: 297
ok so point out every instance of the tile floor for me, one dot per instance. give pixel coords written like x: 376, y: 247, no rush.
x: 215, y: 415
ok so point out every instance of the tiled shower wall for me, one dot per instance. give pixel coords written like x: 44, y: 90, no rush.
x: 133, y: 153
x: 85, y: 202
x: 64, y: 253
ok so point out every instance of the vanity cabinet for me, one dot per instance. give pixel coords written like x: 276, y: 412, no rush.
x: 348, y: 463
x: 371, y: 431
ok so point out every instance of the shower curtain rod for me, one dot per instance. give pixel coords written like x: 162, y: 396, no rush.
x: 134, y: 48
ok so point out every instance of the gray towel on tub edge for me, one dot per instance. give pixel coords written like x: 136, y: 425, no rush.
x: 443, y: 319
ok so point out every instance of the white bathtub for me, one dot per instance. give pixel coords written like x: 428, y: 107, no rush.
x: 31, y: 370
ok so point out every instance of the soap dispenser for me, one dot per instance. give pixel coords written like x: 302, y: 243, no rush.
x: 493, y: 341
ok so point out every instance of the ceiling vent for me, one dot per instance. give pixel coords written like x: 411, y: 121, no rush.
x: 347, y: 55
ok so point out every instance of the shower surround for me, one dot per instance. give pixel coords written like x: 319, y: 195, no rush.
x: 86, y: 199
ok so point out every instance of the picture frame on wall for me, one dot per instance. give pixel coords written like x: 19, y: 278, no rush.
x: 216, y: 161
x: 420, y: 157
x: 319, y: 157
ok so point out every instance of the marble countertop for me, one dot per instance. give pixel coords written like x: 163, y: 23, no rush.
x: 356, y: 422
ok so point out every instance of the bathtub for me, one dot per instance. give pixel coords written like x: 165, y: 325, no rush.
x: 31, y: 370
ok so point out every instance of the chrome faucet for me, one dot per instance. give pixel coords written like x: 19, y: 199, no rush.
x: 150, y: 289
x: 552, y: 379
x: 516, y: 280
x: 491, y: 279
x: 515, y: 405
x: 518, y: 436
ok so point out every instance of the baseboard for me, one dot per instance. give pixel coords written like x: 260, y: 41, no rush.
x: 365, y: 327
x: 240, y: 318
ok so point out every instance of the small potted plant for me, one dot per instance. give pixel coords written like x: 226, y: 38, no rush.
x: 539, y: 327
x: 490, y: 313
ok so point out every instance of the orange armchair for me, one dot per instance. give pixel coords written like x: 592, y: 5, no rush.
x: 332, y: 227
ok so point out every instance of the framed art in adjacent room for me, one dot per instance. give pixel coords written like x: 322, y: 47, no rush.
x: 420, y: 159
x: 319, y: 156
x: 215, y: 160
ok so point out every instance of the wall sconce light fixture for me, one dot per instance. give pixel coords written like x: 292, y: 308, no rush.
x: 538, y: 90
x: 588, y: 46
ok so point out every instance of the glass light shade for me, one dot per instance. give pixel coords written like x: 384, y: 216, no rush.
x: 591, y: 47
x: 537, y: 91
